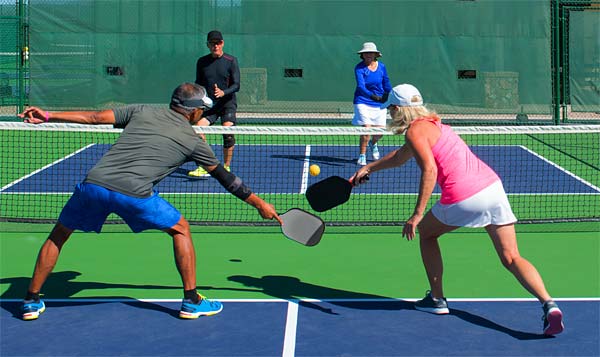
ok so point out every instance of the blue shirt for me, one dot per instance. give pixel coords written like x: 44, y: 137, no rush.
x: 369, y: 83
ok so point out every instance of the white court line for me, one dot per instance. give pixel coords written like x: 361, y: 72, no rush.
x: 297, y: 301
x: 289, y: 342
x: 560, y: 168
x: 305, y: 170
x: 45, y: 167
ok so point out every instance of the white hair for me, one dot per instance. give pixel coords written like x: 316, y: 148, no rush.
x: 402, y: 117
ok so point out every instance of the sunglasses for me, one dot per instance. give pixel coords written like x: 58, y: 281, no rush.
x: 214, y: 43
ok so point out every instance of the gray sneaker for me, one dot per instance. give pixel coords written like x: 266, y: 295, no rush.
x: 553, y: 324
x: 432, y: 305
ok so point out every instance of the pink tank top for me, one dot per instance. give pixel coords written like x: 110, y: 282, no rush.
x: 461, y: 174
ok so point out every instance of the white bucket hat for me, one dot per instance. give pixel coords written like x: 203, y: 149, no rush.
x: 369, y: 47
x: 404, y: 95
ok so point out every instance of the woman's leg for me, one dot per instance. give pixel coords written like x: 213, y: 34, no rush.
x: 430, y: 229
x: 505, y: 242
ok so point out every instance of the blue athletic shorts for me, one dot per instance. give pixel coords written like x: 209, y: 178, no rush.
x: 90, y: 204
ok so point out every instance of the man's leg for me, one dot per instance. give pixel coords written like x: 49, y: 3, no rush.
x: 46, y: 260
x: 48, y: 256
x: 199, y: 171
x: 194, y: 305
x: 185, y: 255
x: 228, y: 119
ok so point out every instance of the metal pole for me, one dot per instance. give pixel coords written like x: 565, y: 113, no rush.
x: 23, y: 48
x: 556, y: 60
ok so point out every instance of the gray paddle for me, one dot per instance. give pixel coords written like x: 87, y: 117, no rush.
x: 302, y: 227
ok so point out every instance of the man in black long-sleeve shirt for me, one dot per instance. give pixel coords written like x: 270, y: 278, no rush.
x: 219, y: 73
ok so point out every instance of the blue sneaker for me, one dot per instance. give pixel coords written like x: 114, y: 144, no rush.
x: 205, y: 307
x: 32, y: 309
x: 438, y: 306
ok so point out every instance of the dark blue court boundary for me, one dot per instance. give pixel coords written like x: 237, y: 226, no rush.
x: 283, y: 171
x: 322, y: 328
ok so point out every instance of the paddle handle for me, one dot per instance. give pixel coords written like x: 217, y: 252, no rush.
x: 363, y: 180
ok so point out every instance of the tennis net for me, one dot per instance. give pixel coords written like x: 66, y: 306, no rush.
x: 550, y: 173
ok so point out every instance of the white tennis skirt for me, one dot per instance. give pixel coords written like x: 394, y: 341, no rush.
x: 367, y: 115
x: 489, y: 206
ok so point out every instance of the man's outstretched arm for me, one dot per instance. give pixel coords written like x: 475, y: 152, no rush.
x: 36, y: 115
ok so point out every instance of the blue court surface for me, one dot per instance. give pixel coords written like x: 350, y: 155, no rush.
x: 298, y: 328
x: 283, y: 169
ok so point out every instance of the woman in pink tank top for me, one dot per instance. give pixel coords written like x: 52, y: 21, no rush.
x: 472, y: 196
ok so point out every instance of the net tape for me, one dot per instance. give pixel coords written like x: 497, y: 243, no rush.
x: 287, y: 130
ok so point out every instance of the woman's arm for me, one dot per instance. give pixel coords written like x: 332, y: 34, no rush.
x: 419, y: 137
x: 394, y: 159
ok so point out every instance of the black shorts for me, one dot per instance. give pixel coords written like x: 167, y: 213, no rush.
x: 226, y: 115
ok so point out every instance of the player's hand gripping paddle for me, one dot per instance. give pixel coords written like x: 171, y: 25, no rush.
x: 329, y: 193
x: 302, y: 227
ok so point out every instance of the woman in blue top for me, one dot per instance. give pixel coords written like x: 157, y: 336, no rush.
x: 372, y: 88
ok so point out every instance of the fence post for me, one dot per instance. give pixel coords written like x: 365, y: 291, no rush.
x: 556, y: 60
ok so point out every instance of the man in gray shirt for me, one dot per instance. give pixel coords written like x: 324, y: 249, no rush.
x: 153, y: 144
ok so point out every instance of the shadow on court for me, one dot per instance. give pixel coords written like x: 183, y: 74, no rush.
x: 483, y: 322
x: 62, y: 285
x: 291, y: 288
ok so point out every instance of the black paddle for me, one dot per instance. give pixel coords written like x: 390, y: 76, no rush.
x: 329, y: 193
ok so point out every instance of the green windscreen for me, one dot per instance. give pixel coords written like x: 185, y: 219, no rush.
x: 488, y: 59
x: 584, y: 61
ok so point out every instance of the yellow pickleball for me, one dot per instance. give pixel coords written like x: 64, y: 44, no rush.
x: 314, y: 170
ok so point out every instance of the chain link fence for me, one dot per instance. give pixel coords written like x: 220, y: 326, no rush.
x: 482, y: 62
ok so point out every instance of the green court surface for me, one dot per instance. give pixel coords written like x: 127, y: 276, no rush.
x: 253, y: 263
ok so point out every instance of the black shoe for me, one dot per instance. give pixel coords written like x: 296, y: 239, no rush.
x: 432, y: 305
x: 553, y: 324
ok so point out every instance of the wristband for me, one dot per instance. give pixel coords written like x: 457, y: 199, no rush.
x: 47, y: 116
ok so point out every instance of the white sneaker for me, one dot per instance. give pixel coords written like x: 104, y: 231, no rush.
x: 362, y: 160
x: 374, y: 150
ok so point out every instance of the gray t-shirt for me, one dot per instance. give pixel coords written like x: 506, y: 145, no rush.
x: 154, y: 143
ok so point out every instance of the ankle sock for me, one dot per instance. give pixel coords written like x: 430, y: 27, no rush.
x: 191, y: 295
x: 32, y: 296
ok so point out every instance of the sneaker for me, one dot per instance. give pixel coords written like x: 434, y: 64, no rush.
x: 374, y: 150
x: 362, y: 160
x: 199, y: 172
x: 553, y: 324
x: 32, y: 309
x: 432, y: 305
x: 205, y: 307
